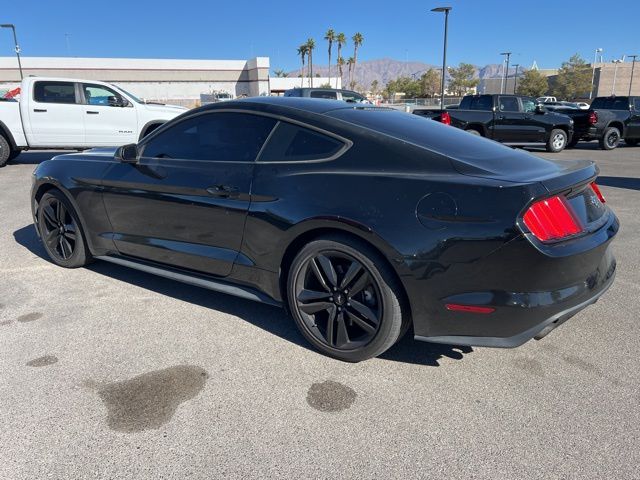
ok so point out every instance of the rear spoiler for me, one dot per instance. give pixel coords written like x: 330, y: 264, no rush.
x: 577, y: 174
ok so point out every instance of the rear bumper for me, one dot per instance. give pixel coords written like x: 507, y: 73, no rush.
x: 538, y: 331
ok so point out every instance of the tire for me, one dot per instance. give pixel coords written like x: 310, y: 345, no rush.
x: 60, y: 231
x: 5, y: 151
x: 14, y: 154
x: 557, y: 140
x: 632, y: 142
x: 473, y: 131
x: 345, y: 299
x: 610, y: 138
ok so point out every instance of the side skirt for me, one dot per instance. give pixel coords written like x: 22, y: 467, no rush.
x: 194, y: 279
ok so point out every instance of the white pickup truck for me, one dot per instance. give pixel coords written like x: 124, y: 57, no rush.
x: 65, y: 113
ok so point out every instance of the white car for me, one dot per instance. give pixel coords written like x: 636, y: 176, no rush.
x: 583, y: 105
x: 66, y: 113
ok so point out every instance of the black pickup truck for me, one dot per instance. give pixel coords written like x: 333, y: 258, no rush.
x: 511, y: 119
x: 614, y: 118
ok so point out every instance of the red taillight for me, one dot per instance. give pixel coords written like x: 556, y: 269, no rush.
x: 456, y: 307
x: 551, y: 219
x: 597, y: 191
x: 445, y: 118
x: 593, y: 118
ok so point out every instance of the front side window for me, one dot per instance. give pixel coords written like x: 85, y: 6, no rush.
x: 294, y: 143
x: 352, y: 97
x: 54, y: 92
x: 621, y: 103
x: 100, y: 95
x: 323, y: 94
x: 509, y: 104
x: 225, y: 137
x: 528, y: 105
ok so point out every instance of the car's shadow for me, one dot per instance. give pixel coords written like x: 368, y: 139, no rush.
x: 35, y: 157
x: 272, y: 319
x: 629, y: 183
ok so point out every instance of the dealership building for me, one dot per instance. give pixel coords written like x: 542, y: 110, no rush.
x: 175, y: 81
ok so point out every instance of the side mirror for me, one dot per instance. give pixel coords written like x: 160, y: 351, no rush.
x: 114, y: 101
x: 127, y: 153
x: 540, y: 108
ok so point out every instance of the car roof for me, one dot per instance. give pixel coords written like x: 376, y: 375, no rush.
x: 312, y: 105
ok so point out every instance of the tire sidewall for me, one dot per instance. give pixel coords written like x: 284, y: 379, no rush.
x: 391, y: 321
x: 605, y: 138
x: 80, y: 256
x: 5, y: 151
x: 553, y: 134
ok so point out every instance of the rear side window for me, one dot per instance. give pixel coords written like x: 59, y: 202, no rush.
x: 636, y: 104
x: 483, y: 102
x: 322, y: 94
x: 509, y: 104
x: 294, y: 143
x: 54, y: 92
x: 621, y: 103
x: 222, y: 137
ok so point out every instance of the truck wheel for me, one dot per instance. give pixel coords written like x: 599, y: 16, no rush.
x: 5, y: 151
x: 473, y: 131
x: 632, y: 142
x: 557, y: 140
x: 610, y: 138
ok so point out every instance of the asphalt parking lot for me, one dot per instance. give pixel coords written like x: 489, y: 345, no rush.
x: 107, y: 372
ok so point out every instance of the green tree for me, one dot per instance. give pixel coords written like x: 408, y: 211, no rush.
x: 533, y: 83
x: 462, y: 79
x: 374, y: 87
x: 330, y: 37
x: 410, y: 87
x: 302, y: 51
x: 280, y: 73
x: 429, y: 83
x: 341, y: 40
x: 357, y: 39
x: 311, y: 44
x: 573, y: 79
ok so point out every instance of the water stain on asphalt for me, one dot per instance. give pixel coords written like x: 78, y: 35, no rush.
x: 330, y: 396
x: 30, y: 317
x: 530, y: 366
x: 150, y: 400
x: 5, y: 322
x: 43, y: 361
x: 588, y: 367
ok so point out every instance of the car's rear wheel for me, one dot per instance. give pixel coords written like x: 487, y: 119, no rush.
x: 344, y: 299
x: 473, y: 131
x: 557, y: 140
x: 5, y: 151
x: 610, y: 138
x: 60, y: 231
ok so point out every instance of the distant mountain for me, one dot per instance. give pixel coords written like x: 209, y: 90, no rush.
x: 386, y: 69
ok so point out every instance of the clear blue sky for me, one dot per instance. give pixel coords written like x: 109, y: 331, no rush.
x: 478, y: 30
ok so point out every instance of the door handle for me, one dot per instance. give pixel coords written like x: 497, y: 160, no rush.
x: 40, y: 110
x: 92, y: 112
x: 223, y: 191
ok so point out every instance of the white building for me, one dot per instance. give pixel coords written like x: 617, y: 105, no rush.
x: 167, y: 80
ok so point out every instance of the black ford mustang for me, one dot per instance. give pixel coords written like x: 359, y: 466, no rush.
x: 362, y: 221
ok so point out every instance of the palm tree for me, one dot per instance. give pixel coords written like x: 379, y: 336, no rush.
x: 311, y: 44
x: 351, y: 63
x: 280, y: 73
x: 357, y: 41
x: 341, y: 39
x: 330, y: 37
x: 302, y: 51
x: 340, y: 63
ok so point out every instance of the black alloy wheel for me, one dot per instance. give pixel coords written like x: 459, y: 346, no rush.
x: 342, y: 301
x: 60, y: 232
x: 610, y: 138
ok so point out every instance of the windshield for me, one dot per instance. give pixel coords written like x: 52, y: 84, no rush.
x: 131, y: 96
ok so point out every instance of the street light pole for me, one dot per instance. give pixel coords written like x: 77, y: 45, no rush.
x: 446, y: 11
x: 615, y: 74
x: 515, y: 78
x: 633, y: 64
x: 506, y: 72
x: 593, y: 67
x: 15, y: 42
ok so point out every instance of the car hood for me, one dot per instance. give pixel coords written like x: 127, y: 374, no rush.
x: 171, y: 110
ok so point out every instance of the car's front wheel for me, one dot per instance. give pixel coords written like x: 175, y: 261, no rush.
x: 557, y: 140
x: 60, y: 231
x: 345, y: 299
